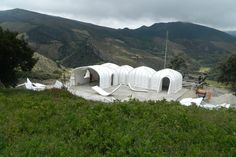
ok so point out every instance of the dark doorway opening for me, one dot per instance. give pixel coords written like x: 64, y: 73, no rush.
x: 112, y: 77
x: 93, y: 78
x: 165, y: 84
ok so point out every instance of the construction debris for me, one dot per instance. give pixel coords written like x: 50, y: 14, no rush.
x: 103, y: 92
x: 58, y: 85
x: 200, y: 103
x: 34, y: 86
x: 40, y: 87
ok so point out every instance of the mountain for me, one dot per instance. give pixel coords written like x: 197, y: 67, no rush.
x: 74, y: 43
x: 233, y: 33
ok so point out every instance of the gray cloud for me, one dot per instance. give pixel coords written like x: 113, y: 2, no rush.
x: 220, y: 14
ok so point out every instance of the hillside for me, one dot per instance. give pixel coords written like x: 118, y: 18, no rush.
x: 55, y: 123
x: 44, y: 69
x: 233, y: 33
x: 45, y: 64
x: 74, y: 43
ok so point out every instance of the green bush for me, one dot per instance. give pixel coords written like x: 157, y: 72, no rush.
x: 57, y: 72
x: 55, y: 123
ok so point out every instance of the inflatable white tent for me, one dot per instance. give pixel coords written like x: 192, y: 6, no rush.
x: 140, y: 77
x: 123, y: 73
x: 114, y: 68
x: 111, y: 65
x: 109, y: 74
x: 96, y: 73
x: 167, y: 79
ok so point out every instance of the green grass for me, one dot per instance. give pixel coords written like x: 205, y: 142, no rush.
x: 217, y: 84
x: 204, y: 70
x: 55, y: 123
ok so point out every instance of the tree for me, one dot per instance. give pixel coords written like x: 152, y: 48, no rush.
x: 178, y: 63
x: 15, y: 55
x: 228, y: 72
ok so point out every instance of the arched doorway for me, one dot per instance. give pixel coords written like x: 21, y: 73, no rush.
x: 93, y: 78
x: 165, y: 84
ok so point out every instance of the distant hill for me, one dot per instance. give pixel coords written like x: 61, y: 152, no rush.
x: 233, y: 33
x: 74, y: 43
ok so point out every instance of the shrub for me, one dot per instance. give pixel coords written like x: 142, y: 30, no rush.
x: 56, y: 123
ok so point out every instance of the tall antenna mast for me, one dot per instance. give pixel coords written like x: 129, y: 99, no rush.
x: 166, y: 49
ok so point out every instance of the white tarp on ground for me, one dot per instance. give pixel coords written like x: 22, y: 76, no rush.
x: 34, y: 86
x: 103, y: 92
x: 123, y: 73
x: 173, y: 80
x: 136, y: 90
x: 40, y: 87
x: 191, y: 101
x: 198, y: 102
x: 58, y: 85
x: 217, y: 106
x: 140, y: 77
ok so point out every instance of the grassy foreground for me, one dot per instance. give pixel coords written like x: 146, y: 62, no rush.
x: 55, y: 123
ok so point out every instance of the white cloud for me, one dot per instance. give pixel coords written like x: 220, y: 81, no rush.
x: 134, y: 13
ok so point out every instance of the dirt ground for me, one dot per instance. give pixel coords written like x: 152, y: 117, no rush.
x: 219, y: 96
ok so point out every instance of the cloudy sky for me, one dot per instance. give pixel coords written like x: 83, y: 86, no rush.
x: 219, y: 14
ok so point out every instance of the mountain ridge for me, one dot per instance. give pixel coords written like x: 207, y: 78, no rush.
x: 75, y: 43
x: 233, y: 33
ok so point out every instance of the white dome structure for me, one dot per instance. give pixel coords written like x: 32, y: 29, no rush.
x: 167, y: 79
x: 123, y: 73
x: 109, y: 74
x: 96, y: 73
x: 111, y: 65
x: 114, y: 68
x: 140, y: 77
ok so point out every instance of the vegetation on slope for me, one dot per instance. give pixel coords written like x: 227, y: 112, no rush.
x: 15, y: 55
x: 233, y: 33
x: 55, y: 123
x: 228, y: 73
x: 44, y: 69
x: 76, y: 43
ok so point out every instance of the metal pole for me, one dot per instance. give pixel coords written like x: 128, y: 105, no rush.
x: 166, y: 49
